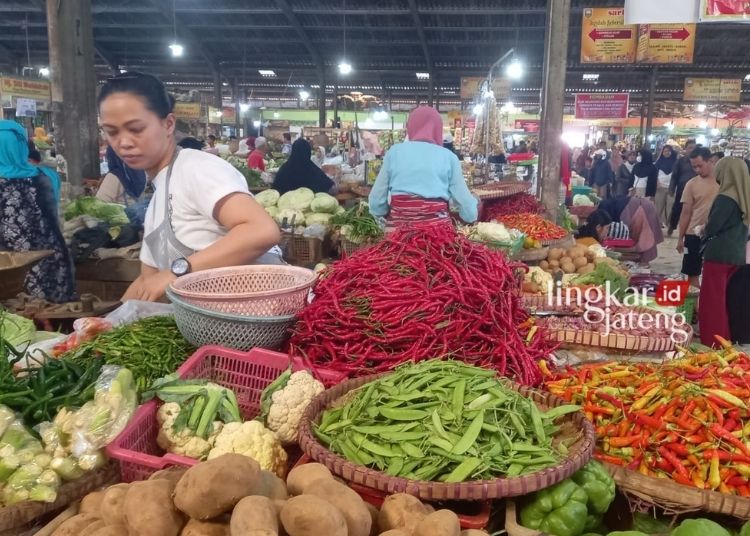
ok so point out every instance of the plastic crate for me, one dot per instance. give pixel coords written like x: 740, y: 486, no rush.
x: 471, y: 514
x: 688, y: 307
x: 246, y: 373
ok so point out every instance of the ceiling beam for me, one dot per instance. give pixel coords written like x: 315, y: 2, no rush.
x: 421, y: 35
x: 294, y: 21
x: 187, y: 34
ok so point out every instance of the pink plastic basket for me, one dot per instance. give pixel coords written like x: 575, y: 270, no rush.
x: 256, y: 290
x: 246, y: 373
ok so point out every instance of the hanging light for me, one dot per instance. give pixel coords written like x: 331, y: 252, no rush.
x: 670, y: 125
x: 380, y: 115
x: 44, y: 71
x: 304, y: 95
x: 345, y: 67
x: 514, y: 70
x: 244, y: 107
x: 478, y: 109
x: 704, y: 124
x: 715, y: 131
x: 256, y: 124
x: 276, y: 115
x: 176, y: 49
x: 701, y: 108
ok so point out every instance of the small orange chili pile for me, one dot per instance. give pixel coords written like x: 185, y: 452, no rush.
x: 533, y: 226
x: 686, y: 419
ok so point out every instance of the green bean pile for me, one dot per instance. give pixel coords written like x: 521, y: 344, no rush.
x: 150, y: 348
x: 443, y: 421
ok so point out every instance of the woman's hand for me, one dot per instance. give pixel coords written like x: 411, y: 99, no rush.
x: 149, y: 287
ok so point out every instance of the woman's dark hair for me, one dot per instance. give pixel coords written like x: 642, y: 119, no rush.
x: 191, y: 143
x: 597, y: 218
x: 146, y: 86
x: 34, y: 154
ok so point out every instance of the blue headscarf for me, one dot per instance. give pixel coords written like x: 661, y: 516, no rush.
x: 14, y: 156
x: 133, y: 180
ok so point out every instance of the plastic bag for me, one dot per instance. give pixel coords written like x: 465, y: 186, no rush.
x: 84, y: 329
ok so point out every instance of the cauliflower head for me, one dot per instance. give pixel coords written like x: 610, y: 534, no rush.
x: 183, y: 442
x: 255, y: 441
x: 288, y: 405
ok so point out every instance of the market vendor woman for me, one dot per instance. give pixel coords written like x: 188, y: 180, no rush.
x: 201, y: 215
x: 420, y: 177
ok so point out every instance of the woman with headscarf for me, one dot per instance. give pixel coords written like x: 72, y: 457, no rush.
x: 645, y: 175
x: 121, y: 184
x: 299, y: 171
x: 420, y: 177
x: 725, y: 239
x: 645, y: 229
x: 664, y: 166
x: 28, y: 216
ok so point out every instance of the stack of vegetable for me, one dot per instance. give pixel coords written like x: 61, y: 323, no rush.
x: 573, y: 506
x: 443, y: 421
x: 16, y: 332
x: 111, y: 213
x: 233, y: 495
x: 420, y: 293
x: 534, y: 226
x: 150, y: 348
x: 357, y: 225
x: 686, y: 420
x: 252, y: 176
x: 496, y: 236
x: 299, y: 208
x: 522, y: 203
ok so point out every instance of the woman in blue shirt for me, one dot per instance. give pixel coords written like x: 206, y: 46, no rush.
x: 420, y: 177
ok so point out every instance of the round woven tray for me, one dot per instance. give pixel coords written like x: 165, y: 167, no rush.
x: 532, y: 255
x: 497, y: 190
x: 565, y: 242
x: 676, y: 498
x: 21, y: 514
x: 572, y: 425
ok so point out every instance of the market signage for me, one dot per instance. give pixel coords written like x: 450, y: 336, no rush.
x: 187, y: 110
x: 666, y: 43
x: 602, y: 105
x: 712, y: 90
x: 25, y: 88
x: 606, y: 38
x: 527, y: 125
x: 470, y: 86
x: 725, y: 10
x: 228, y: 114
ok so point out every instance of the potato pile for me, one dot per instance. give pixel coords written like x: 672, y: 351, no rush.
x: 576, y: 260
x: 231, y: 496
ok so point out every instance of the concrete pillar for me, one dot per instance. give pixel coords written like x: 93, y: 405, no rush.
x: 431, y: 92
x: 651, y: 97
x: 217, y: 88
x: 437, y: 95
x: 73, y: 80
x: 335, y: 103
x: 322, y: 100
x: 236, y: 95
x: 553, y: 102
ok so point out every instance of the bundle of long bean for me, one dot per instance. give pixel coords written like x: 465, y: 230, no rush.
x: 443, y: 420
x: 150, y: 348
x: 421, y: 293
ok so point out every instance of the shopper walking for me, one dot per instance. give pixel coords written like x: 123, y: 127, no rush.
x: 28, y: 217
x: 665, y: 165
x: 697, y: 198
x: 682, y: 173
x: 645, y: 175
x: 602, y: 175
x: 721, y: 312
x: 201, y: 215
x: 419, y: 177
x: 624, y: 177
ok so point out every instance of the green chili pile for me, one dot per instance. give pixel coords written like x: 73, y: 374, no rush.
x: 443, y: 421
x: 38, y: 392
x: 149, y: 348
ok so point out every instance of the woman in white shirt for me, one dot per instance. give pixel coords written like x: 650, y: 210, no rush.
x: 201, y: 215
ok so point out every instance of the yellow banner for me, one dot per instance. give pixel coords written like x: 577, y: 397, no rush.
x: 666, y: 43
x: 214, y: 115
x: 712, y: 90
x: 187, y: 110
x: 25, y: 87
x: 470, y: 86
x: 605, y: 37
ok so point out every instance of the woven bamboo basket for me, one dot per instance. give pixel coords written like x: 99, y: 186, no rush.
x: 13, y: 269
x: 496, y: 190
x: 566, y: 242
x: 14, y: 518
x: 301, y: 250
x: 645, y: 491
x: 532, y: 255
x: 572, y: 426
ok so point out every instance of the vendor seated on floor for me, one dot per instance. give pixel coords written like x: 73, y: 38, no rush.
x: 599, y: 228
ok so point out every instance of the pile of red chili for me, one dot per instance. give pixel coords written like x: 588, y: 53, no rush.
x: 686, y: 420
x: 533, y: 226
x: 522, y: 203
x: 421, y: 293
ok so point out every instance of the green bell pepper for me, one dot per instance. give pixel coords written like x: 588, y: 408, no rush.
x: 745, y: 530
x: 598, y: 485
x: 627, y: 533
x: 559, y: 510
x: 699, y: 527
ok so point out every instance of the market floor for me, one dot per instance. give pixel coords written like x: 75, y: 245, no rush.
x: 669, y: 262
